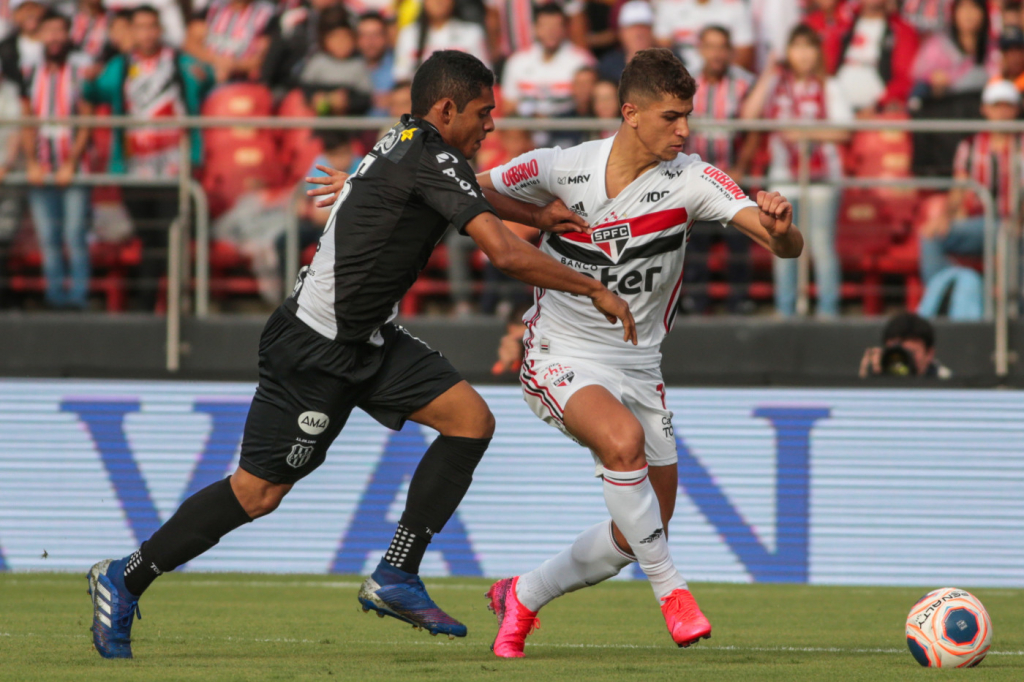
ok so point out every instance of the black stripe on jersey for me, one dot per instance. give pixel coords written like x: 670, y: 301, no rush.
x: 592, y: 257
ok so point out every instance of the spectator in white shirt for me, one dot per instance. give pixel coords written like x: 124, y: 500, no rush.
x: 538, y: 81
x: 678, y: 24
x: 436, y: 29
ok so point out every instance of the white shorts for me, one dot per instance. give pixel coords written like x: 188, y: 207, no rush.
x: 548, y: 383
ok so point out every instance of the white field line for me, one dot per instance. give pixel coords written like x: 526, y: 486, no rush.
x: 348, y: 585
x: 544, y: 645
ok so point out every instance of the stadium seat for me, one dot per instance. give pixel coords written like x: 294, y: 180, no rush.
x: 111, y: 264
x: 238, y: 159
x: 299, y: 147
x: 234, y: 169
x: 236, y: 100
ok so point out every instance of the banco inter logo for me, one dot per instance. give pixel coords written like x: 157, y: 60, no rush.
x: 313, y: 423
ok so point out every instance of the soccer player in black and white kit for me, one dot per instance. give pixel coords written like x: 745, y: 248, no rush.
x: 332, y: 347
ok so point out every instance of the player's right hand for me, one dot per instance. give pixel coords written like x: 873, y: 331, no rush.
x: 333, y: 182
x: 615, y: 309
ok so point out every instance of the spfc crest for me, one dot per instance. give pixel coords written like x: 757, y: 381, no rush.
x: 612, y: 239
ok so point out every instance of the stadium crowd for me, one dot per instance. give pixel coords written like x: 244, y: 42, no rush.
x: 819, y: 60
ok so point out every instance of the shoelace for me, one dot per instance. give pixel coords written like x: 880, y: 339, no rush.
x: 133, y: 610
x: 684, y: 608
x: 534, y: 623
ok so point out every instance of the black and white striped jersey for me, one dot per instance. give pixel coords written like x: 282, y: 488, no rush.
x: 387, y: 219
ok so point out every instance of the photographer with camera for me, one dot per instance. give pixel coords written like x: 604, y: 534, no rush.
x: 907, y: 350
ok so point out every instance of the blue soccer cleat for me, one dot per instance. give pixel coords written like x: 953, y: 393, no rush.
x: 392, y: 592
x: 113, y: 609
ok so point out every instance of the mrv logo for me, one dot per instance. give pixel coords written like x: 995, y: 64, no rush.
x: 573, y: 179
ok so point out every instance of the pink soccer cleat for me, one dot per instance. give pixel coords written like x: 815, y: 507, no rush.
x: 685, y: 622
x: 515, y: 621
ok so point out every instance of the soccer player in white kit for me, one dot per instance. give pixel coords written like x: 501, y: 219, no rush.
x: 641, y: 195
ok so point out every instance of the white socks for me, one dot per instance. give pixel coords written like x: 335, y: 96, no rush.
x: 634, y: 508
x: 592, y: 558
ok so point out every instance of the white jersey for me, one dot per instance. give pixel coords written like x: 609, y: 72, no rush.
x: 636, y: 248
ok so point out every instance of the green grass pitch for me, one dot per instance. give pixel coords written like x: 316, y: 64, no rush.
x: 262, y: 627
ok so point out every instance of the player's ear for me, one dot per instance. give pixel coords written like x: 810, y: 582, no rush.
x: 447, y: 110
x: 629, y: 112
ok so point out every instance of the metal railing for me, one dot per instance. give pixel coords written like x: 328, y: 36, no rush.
x: 1001, y: 253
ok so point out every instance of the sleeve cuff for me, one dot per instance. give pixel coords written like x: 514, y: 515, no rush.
x: 462, y: 219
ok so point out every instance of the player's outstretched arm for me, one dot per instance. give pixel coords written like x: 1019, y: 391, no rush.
x: 554, y: 217
x: 517, y: 259
x: 771, y: 225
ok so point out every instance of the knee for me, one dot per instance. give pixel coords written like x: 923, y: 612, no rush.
x: 265, y: 502
x: 258, y: 497
x: 624, y: 449
x: 474, y: 423
x: 483, y: 425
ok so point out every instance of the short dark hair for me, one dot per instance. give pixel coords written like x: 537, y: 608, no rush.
x: 332, y: 139
x: 124, y: 14
x: 372, y: 16
x: 449, y: 74
x: 653, y: 73
x: 52, y: 14
x: 907, y: 325
x: 717, y: 29
x: 552, y: 8
x: 145, y: 9
x: 331, y: 19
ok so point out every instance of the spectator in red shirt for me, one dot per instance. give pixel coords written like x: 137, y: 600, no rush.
x: 987, y: 158
x: 832, y: 20
x: 799, y: 88
x: 60, y: 211
x: 233, y: 36
x: 875, y: 59
x: 721, y: 89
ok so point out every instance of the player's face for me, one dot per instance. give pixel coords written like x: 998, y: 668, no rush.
x: 663, y: 126
x: 470, y: 126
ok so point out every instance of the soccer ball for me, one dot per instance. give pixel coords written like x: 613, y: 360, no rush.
x: 949, y: 628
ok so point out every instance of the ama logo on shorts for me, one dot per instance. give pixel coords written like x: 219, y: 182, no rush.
x: 313, y: 423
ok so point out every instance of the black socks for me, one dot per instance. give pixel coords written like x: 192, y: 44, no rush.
x: 199, y: 524
x: 438, y: 486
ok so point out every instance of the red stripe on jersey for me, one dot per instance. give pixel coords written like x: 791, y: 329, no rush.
x: 650, y: 223
x: 672, y: 303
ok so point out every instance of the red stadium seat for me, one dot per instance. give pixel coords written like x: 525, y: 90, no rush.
x: 111, y: 264
x: 231, y: 170
x: 299, y: 147
x: 238, y: 159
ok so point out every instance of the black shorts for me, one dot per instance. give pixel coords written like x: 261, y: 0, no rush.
x: 309, y: 385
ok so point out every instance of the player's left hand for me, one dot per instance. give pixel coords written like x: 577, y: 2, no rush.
x: 775, y: 214
x: 557, y: 218
x: 332, y: 184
